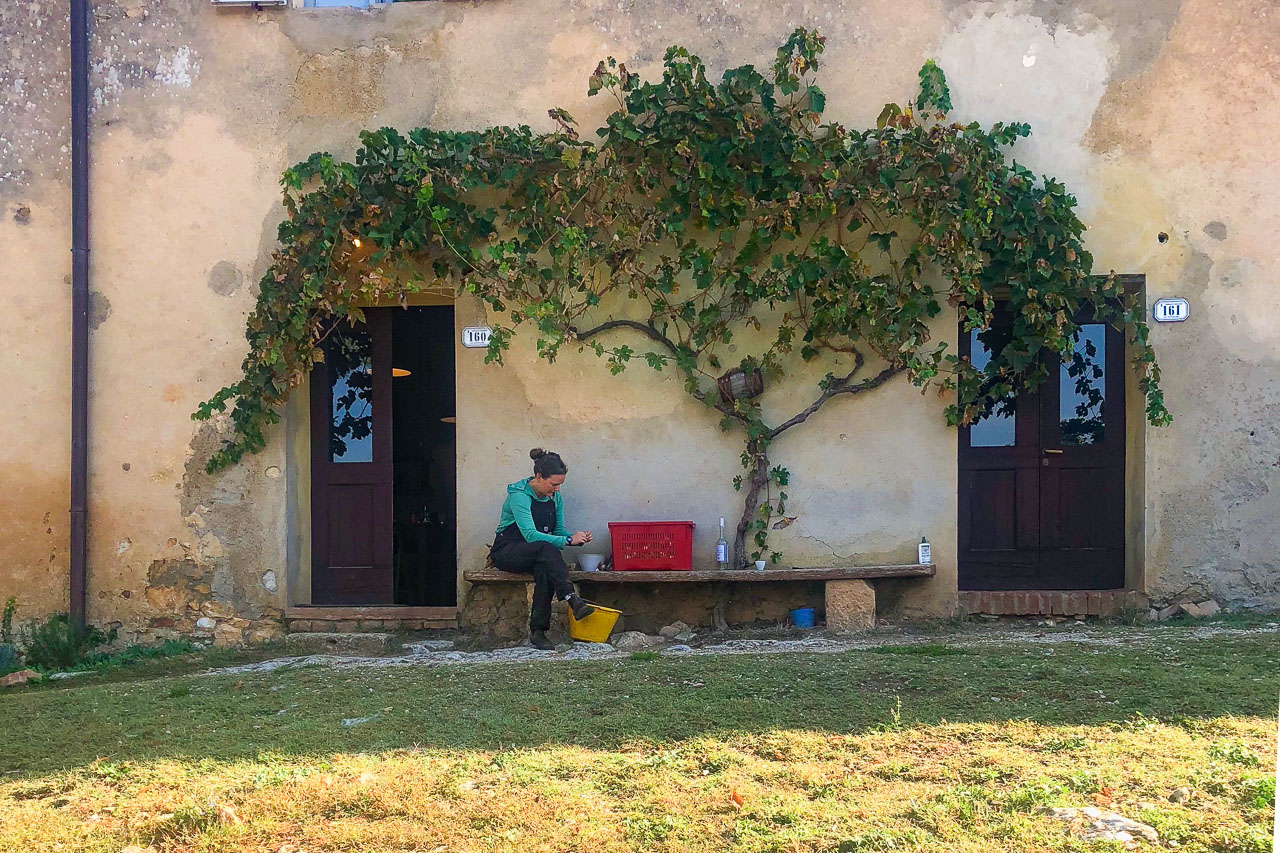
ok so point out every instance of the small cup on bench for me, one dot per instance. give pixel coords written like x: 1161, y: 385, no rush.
x: 590, y: 562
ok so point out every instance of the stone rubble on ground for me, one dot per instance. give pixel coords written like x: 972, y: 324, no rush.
x: 59, y: 676
x: 22, y: 676
x: 1203, y: 608
x: 635, y: 641
x: 588, y: 651
x: 678, y: 649
x: 424, y: 647
x: 676, y: 630
x: 1093, y: 824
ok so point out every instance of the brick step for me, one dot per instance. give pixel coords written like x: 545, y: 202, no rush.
x: 357, y: 626
x: 322, y: 619
x: 1105, y: 602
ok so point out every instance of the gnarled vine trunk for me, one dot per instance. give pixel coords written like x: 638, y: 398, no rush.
x: 755, y: 484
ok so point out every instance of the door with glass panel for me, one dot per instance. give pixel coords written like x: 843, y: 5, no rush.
x: 352, y: 476
x: 1041, y: 501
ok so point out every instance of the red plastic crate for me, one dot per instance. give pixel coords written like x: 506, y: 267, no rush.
x: 650, y: 546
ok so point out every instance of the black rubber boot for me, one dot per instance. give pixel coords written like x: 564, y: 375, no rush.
x: 538, y: 639
x: 581, y: 610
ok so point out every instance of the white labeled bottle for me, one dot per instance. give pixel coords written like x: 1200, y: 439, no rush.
x: 722, y: 549
x: 925, y: 552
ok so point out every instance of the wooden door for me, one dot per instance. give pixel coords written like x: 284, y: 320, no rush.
x: 1082, y: 433
x: 352, y: 484
x: 1041, y: 501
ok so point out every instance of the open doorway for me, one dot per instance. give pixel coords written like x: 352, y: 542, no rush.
x: 383, y: 462
x: 424, y: 457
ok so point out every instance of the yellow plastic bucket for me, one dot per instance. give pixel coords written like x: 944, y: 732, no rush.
x: 597, y: 627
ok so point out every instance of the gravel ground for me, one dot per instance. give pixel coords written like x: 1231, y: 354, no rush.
x: 440, y: 653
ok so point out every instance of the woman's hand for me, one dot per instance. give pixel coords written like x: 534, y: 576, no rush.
x: 582, y: 537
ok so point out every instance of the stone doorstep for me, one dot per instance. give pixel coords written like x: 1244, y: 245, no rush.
x: 367, y: 644
x: 1105, y: 602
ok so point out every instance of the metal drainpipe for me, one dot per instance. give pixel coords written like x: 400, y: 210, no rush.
x: 79, y: 305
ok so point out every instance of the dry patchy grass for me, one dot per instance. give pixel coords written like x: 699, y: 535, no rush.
x: 851, y: 752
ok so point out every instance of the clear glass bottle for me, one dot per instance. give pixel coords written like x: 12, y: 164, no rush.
x: 722, y: 549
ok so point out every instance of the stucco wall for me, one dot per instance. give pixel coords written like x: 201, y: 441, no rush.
x: 1159, y: 115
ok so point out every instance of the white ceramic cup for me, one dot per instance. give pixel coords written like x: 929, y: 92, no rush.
x: 760, y: 565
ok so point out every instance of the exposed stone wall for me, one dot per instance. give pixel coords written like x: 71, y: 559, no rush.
x: 1160, y: 116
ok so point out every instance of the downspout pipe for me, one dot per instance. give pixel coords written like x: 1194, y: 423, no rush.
x: 79, y: 307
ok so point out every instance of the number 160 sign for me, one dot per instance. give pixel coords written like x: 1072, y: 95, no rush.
x: 476, y: 336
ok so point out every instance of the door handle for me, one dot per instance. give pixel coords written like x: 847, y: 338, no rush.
x: 1053, y: 451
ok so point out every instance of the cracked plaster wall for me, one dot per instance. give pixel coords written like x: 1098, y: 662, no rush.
x: 1160, y: 116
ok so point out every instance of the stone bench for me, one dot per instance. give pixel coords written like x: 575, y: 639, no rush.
x: 847, y: 593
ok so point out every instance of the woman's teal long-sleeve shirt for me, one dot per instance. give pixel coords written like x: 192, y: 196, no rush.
x: 517, y: 509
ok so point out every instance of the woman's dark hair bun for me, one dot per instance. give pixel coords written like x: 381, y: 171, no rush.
x: 546, y: 463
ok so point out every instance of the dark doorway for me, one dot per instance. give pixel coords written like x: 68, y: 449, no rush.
x: 383, y: 460
x: 426, y: 508
x: 1041, y: 501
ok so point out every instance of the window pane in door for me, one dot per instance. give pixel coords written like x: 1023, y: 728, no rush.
x: 349, y: 354
x: 1082, y: 388
x: 995, y: 428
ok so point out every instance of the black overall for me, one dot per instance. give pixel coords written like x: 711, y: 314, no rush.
x: 512, y: 553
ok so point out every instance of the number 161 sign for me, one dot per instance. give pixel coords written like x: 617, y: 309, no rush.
x: 1171, y: 310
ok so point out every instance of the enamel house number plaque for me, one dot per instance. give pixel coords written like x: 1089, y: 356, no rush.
x: 1171, y: 310
x: 476, y: 336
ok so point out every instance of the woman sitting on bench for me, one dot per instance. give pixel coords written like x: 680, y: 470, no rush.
x: 530, y: 536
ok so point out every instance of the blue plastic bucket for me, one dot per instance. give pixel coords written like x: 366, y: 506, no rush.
x: 803, y: 617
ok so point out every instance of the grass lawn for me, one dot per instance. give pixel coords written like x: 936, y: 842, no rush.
x: 941, y: 747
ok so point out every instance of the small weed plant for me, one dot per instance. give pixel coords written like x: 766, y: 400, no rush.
x: 58, y: 644
x: 8, y: 651
x: 1234, y: 752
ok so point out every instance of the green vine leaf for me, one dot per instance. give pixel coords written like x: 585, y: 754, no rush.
x: 933, y: 89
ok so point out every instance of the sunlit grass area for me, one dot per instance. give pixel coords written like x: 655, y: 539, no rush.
x: 938, y: 747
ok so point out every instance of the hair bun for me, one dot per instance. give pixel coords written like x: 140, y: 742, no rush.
x: 537, y: 453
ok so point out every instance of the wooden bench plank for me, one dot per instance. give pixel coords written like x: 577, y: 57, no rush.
x: 822, y: 573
